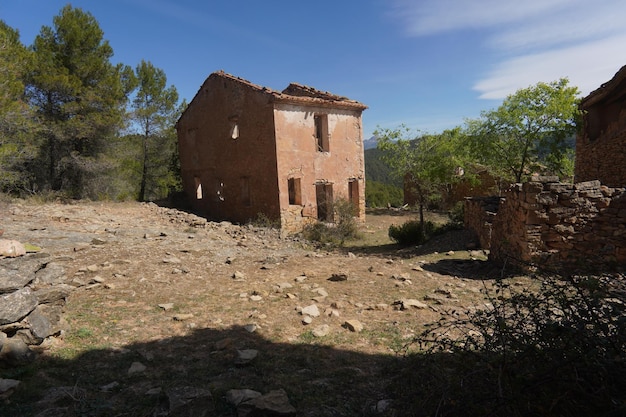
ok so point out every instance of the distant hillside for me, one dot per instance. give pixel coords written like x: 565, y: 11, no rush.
x: 369, y: 143
x: 376, y: 170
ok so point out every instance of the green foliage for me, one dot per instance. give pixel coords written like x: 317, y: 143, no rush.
x: 378, y: 194
x: 377, y: 170
x: 17, y: 120
x: 457, y: 215
x: 79, y: 97
x: 344, y: 228
x: 412, y: 232
x: 154, y: 114
x: 262, y: 220
x: 529, y: 130
x: 554, y: 350
x: 429, y: 162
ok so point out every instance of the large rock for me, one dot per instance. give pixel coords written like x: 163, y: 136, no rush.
x: 16, y: 305
x: 15, y: 352
x: 274, y: 403
x: 11, y: 248
x: 52, y: 273
x: 17, y: 273
x: 189, y: 401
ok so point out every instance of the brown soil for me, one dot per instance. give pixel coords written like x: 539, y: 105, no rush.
x: 182, y: 298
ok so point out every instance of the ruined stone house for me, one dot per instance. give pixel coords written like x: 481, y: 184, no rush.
x: 601, y: 143
x: 247, y: 150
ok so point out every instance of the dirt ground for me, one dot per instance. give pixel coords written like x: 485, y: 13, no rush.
x: 184, y: 298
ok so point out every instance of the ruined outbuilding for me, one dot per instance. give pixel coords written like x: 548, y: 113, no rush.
x: 246, y: 151
x: 579, y: 226
x: 601, y: 143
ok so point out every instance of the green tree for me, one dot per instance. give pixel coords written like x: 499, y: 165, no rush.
x: 155, y: 112
x: 529, y: 129
x: 428, y: 162
x: 16, y: 117
x: 80, y: 98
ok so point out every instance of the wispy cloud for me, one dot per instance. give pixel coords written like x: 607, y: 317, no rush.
x: 532, y: 40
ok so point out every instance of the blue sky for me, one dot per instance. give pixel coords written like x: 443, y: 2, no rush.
x: 428, y: 64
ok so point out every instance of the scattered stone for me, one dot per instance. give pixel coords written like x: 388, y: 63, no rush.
x: 183, y: 316
x: 300, y: 278
x: 109, y: 387
x: 224, y: 343
x: 255, y: 298
x: 274, y: 403
x: 321, y: 291
x: 154, y: 391
x: 7, y: 385
x: 246, y: 356
x: 418, y: 268
x: 283, y: 286
x: 338, y: 277
x: 382, y: 406
x: 434, y: 298
x: 11, y: 248
x: 251, y: 328
x: 406, y: 303
x: 237, y: 396
x: 171, y: 260
x: 321, y: 330
x: 166, y: 306
x: 311, y: 310
x: 136, y: 368
x: 98, y: 241
x: 189, y: 401
x: 239, y: 276
x: 353, y: 325
x: 307, y: 320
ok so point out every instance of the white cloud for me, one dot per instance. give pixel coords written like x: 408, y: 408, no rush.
x: 586, y: 66
x: 536, y: 40
x: 429, y: 17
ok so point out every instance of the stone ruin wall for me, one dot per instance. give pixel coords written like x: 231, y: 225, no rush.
x: 478, y: 215
x: 551, y: 224
x: 605, y: 157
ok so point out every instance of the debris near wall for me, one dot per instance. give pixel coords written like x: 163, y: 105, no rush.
x: 549, y: 224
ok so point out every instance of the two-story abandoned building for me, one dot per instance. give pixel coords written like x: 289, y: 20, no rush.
x: 246, y: 150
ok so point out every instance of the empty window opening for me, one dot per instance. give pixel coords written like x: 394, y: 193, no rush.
x: 245, y: 191
x: 234, y: 127
x: 234, y: 131
x: 321, y: 132
x: 353, y: 195
x: 295, y: 193
x: 324, y: 199
x: 219, y: 190
x: 198, y: 186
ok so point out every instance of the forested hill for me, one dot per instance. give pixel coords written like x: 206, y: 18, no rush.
x: 376, y: 170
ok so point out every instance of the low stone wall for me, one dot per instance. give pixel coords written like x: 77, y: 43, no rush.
x: 546, y: 223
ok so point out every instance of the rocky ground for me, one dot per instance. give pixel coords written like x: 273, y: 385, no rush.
x: 168, y: 314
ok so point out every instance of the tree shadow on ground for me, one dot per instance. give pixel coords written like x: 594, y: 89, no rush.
x: 318, y: 380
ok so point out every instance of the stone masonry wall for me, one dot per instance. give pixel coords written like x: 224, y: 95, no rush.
x: 605, y: 157
x: 546, y: 223
x: 478, y: 216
